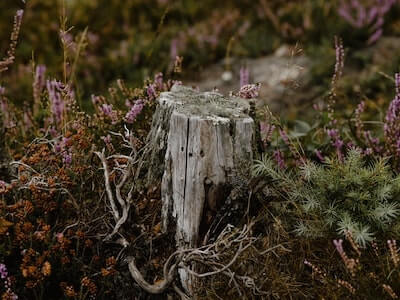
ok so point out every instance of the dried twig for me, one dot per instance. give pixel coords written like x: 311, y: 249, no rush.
x: 121, y: 211
x: 211, y: 256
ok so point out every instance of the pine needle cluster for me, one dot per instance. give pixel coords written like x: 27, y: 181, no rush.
x: 349, y: 195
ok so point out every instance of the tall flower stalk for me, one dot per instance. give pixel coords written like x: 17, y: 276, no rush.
x: 392, y: 122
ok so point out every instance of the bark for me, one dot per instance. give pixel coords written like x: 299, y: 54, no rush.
x: 198, y: 142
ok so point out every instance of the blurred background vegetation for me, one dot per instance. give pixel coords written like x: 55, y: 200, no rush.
x: 134, y: 39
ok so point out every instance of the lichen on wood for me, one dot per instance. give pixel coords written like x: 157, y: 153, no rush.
x: 198, y: 140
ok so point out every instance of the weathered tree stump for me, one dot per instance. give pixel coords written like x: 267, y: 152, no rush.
x: 199, y: 140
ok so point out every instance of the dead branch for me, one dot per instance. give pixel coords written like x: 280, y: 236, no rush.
x: 211, y: 256
x: 120, y: 212
x: 108, y: 185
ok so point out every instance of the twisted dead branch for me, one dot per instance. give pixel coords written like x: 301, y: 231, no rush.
x: 211, y: 256
x: 120, y: 212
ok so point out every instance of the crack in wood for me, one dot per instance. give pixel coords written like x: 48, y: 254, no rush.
x: 186, y: 165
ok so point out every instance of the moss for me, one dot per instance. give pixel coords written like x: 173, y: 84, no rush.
x: 210, y: 104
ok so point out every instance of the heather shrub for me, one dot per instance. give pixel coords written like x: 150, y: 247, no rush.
x: 371, y: 273
x: 361, y: 14
x: 52, y: 213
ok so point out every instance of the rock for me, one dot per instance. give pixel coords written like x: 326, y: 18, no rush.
x: 284, y: 78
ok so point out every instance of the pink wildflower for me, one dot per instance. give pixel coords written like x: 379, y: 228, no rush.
x: 134, y: 111
x: 244, y: 76
x: 250, y: 91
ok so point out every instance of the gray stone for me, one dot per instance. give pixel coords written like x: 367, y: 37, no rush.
x: 284, y: 78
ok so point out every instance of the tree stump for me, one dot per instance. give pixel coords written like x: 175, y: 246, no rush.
x: 199, y: 140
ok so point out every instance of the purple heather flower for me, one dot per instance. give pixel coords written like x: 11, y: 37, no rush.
x: 128, y: 103
x: 134, y: 111
x: 64, y: 142
x: 20, y: 13
x: 158, y: 80
x: 107, y: 109
x: 3, y: 271
x: 369, y: 138
x: 338, y: 144
x: 339, y: 50
x: 339, y: 246
x: 363, y: 14
x: 263, y: 126
x: 373, y: 142
x: 360, y: 107
x: 267, y: 130
x: 284, y: 136
x: 39, y: 81
x: 378, y: 24
x: 27, y: 120
x: 67, y: 158
x: 319, y: 155
x: 397, y: 83
x: 359, y: 124
x: 53, y: 132
x: 250, y: 91
x: 332, y: 133
x: 375, y: 36
x: 368, y: 151
x: 57, y: 105
x: 373, y: 13
x: 67, y: 38
x: 336, y: 141
x: 38, y: 85
x: 279, y: 159
x: 392, y: 119
x: 58, y: 147
x: 96, y: 100
x: 318, y: 106
x: 106, y: 139
x: 3, y: 107
x: 244, y: 76
x: 5, y: 112
x: 151, y: 92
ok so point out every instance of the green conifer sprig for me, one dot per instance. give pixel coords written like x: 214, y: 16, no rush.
x: 338, y: 196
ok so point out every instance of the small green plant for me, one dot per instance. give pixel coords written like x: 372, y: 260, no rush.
x: 340, y: 195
